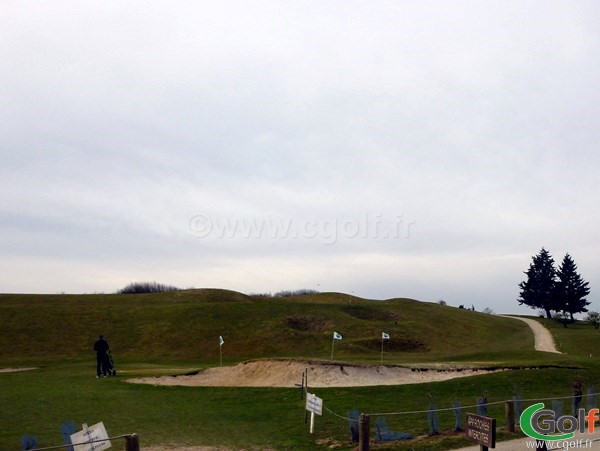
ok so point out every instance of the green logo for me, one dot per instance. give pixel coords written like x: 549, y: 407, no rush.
x: 538, y: 422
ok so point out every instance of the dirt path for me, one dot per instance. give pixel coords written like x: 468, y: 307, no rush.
x: 543, y: 339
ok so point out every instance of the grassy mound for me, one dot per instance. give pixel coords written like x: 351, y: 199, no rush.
x: 185, y: 325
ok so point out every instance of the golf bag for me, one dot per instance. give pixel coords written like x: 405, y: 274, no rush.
x: 110, y: 364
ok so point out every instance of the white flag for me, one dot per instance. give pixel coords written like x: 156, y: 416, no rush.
x: 337, y: 336
x: 221, y: 341
x: 385, y: 336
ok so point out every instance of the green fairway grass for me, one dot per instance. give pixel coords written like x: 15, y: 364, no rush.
x: 175, y: 333
x: 40, y: 401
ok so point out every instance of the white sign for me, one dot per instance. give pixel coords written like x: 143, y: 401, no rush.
x: 314, y: 404
x: 96, y: 434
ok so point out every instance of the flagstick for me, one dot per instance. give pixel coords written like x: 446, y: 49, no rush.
x: 382, y: 349
x: 332, y: 343
x: 221, y: 354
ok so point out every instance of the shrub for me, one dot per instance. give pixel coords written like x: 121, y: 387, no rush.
x: 594, y: 319
x: 288, y: 293
x: 260, y: 295
x: 563, y: 318
x: 146, y: 287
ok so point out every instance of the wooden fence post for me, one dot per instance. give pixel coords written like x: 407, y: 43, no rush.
x: 509, y: 408
x: 363, y: 432
x: 132, y: 443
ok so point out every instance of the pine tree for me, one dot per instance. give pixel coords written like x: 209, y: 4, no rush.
x: 538, y: 291
x: 570, y: 289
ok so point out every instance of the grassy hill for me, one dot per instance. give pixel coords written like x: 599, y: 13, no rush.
x: 185, y: 326
x: 173, y: 332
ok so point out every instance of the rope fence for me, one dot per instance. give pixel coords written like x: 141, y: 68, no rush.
x: 448, y: 409
x: 360, y: 425
x: 131, y: 443
x: 476, y: 405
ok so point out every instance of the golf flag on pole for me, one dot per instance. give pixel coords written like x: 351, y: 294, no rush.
x: 221, y: 342
x: 384, y: 336
x: 336, y: 336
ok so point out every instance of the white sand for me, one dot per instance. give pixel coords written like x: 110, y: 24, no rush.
x: 288, y: 373
x: 13, y: 370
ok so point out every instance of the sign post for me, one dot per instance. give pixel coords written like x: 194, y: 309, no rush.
x: 314, y: 404
x: 482, y: 430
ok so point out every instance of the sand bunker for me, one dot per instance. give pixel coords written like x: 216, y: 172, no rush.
x: 288, y: 373
x: 13, y: 370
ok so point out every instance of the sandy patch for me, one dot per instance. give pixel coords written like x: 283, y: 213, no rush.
x: 288, y: 373
x: 184, y: 448
x: 14, y: 370
x: 199, y: 448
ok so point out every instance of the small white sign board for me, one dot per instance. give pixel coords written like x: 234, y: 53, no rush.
x: 94, y: 434
x: 314, y: 404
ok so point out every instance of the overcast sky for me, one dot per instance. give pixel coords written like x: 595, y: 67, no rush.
x: 383, y: 148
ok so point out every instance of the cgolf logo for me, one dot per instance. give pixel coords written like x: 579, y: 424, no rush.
x: 540, y: 423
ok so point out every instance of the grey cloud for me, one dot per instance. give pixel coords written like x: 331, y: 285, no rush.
x: 120, y: 123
